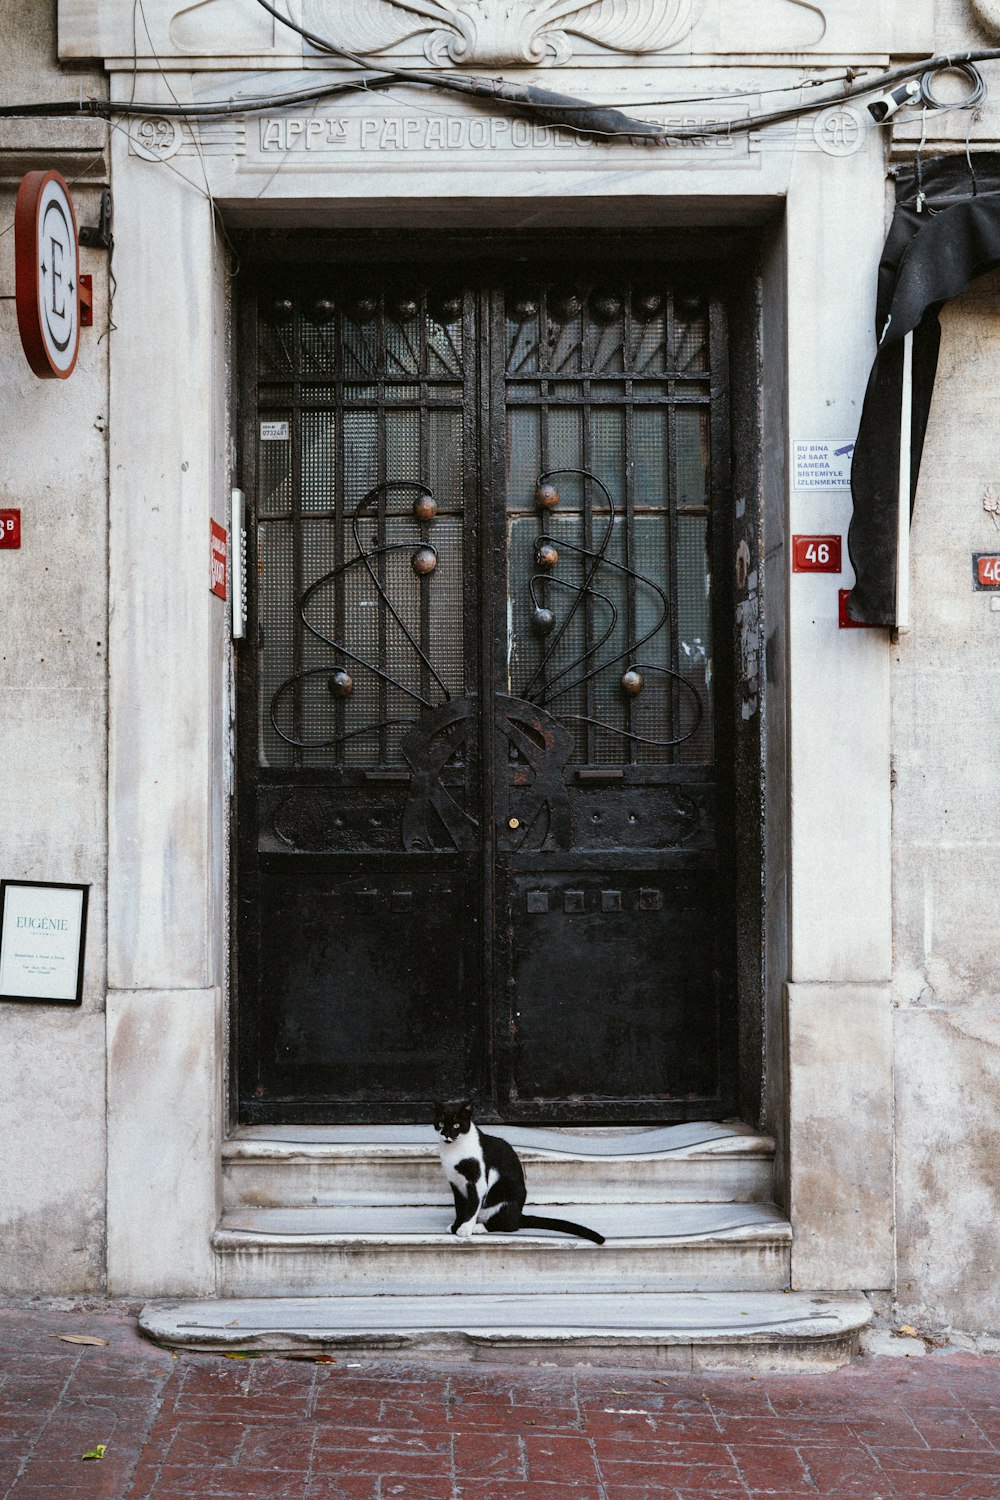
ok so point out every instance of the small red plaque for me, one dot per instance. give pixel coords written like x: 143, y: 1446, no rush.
x: 10, y: 528
x: 987, y: 566
x: 218, y: 575
x: 816, y: 554
x: 843, y: 618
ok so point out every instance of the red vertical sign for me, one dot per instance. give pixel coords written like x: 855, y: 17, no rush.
x: 218, y: 557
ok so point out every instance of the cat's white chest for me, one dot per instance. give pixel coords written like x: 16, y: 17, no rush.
x: 465, y: 1149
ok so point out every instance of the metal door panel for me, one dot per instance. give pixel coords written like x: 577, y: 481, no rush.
x: 482, y: 820
x: 615, y: 992
x: 365, y: 979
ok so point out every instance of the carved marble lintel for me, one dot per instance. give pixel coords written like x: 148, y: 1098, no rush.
x: 987, y: 13
x: 499, y: 33
x: 496, y: 34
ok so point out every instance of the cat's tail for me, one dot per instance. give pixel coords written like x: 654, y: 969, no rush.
x: 563, y: 1226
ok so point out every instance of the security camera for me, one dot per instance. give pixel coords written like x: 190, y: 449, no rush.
x: 887, y: 104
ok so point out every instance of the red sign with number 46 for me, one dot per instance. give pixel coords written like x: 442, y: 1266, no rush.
x: 815, y: 554
x: 987, y: 570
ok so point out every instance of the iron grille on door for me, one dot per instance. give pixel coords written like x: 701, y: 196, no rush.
x: 362, y: 403
x: 482, y: 801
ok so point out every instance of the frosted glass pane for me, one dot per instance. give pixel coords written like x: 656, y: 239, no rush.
x: 319, y: 346
x: 445, y: 457
x: 524, y: 457
x: 274, y: 616
x: 607, y: 452
x: 360, y: 455
x: 402, y: 445
x: 649, y: 428
x: 692, y: 456
x: 690, y: 335
x: 565, y: 451
x: 319, y: 454
x: 402, y: 346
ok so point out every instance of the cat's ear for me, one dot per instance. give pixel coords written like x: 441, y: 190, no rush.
x: 465, y: 1109
x: 437, y: 1108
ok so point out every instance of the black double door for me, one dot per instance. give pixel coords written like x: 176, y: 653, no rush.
x: 483, y: 806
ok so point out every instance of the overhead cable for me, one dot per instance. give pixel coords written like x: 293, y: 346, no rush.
x: 561, y: 110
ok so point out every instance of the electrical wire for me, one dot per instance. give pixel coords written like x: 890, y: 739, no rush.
x: 972, y: 75
x: 597, y: 120
x: 234, y: 105
x: 531, y: 97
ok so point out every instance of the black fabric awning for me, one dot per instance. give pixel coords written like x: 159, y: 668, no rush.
x: 930, y: 256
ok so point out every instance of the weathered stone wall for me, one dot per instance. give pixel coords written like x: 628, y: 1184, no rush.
x: 169, y: 921
x: 53, y: 676
x: 946, y: 850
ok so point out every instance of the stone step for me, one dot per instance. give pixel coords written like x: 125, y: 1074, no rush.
x: 323, y: 1166
x: 684, y: 1331
x: 407, y: 1251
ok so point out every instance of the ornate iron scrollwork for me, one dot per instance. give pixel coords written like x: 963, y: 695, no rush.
x: 423, y: 562
x: 541, y: 743
x: 537, y: 790
x: 429, y: 746
x: 632, y: 681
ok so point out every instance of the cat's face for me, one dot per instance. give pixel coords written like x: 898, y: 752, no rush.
x: 452, y: 1120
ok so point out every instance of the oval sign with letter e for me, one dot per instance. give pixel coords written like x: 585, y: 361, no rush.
x: 47, y: 263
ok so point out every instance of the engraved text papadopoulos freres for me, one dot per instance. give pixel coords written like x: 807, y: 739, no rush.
x: 397, y: 132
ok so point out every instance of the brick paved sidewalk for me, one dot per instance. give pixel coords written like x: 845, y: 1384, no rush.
x: 202, y: 1426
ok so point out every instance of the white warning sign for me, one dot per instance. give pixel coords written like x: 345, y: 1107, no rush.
x: 822, y: 465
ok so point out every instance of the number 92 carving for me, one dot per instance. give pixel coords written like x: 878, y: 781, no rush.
x: 155, y: 138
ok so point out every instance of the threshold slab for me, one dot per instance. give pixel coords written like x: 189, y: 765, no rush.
x: 685, y: 1330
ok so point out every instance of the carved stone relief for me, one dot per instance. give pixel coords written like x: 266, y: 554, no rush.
x: 987, y: 13
x: 489, y: 34
x: 497, y: 33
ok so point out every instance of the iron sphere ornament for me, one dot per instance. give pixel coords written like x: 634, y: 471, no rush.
x: 447, y: 310
x: 322, y: 310
x: 282, y: 308
x: 363, y: 308
x: 546, y: 555
x: 425, y: 507
x: 565, y: 306
x: 424, y: 561
x: 632, y: 682
x: 406, y: 309
x: 647, y: 305
x: 340, y: 683
x: 546, y: 496
x: 525, y: 307
x: 605, y: 307
x: 543, y: 620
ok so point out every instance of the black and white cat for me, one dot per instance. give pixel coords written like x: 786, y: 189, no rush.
x: 487, y: 1180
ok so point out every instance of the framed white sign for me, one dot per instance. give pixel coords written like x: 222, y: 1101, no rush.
x: 43, y: 928
x: 823, y: 464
